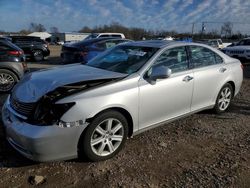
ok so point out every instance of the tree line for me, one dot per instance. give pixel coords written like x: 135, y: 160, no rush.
x: 136, y: 33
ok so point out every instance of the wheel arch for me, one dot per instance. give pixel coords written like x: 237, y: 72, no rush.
x: 11, y: 70
x: 233, y: 86
x: 124, y: 112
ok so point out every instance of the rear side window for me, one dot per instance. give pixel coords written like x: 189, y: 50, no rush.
x: 3, y: 47
x: 117, y: 36
x: 247, y: 42
x: 175, y: 59
x: 106, y: 44
x: 101, y: 36
x: 244, y: 42
x: 202, y: 57
x: 110, y: 44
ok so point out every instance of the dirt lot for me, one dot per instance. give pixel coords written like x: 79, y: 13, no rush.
x: 203, y: 150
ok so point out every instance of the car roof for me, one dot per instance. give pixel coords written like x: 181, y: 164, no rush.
x: 154, y: 43
x: 26, y: 37
x: 90, y: 41
x: 102, y: 38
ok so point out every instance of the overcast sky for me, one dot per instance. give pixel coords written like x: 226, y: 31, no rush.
x: 72, y: 15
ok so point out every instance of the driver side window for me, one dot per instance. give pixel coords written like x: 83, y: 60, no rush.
x: 175, y: 59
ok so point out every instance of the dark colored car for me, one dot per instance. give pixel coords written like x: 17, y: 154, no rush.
x: 33, y: 47
x: 85, y: 50
x: 12, y: 65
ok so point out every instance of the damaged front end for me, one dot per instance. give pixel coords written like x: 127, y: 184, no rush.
x: 46, y: 111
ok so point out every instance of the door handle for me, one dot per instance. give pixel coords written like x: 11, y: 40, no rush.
x: 187, y: 78
x: 222, y: 69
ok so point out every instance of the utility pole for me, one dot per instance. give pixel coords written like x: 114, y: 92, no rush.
x: 203, y: 28
x: 192, y: 29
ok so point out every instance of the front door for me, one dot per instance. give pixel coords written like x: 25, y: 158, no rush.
x: 166, y: 98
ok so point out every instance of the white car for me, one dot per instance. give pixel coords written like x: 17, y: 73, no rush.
x: 240, y: 50
x: 101, y: 35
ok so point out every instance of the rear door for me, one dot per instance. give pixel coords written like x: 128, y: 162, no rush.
x: 209, y: 74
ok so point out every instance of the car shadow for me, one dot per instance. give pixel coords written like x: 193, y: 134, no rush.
x: 241, y: 107
x: 237, y: 107
x: 246, y: 71
x: 9, y: 158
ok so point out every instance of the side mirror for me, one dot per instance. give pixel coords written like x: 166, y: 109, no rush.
x: 160, y: 72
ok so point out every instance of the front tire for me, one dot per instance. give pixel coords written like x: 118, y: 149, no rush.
x: 105, y: 136
x: 224, y: 98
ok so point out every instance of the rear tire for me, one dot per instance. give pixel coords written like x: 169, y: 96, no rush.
x: 8, y: 80
x: 38, y: 55
x: 104, y: 137
x: 224, y: 98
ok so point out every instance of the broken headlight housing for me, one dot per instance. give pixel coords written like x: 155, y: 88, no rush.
x: 48, y: 113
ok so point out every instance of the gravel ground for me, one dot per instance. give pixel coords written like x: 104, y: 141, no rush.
x: 203, y: 150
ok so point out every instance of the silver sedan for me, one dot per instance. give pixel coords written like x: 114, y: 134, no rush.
x: 91, y: 109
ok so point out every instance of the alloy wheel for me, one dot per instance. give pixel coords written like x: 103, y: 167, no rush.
x: 7, y: 81
x: 107, y: 137
x: 225, y: 98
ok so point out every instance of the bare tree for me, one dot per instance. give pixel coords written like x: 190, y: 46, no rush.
x: 37, y: 27
x: 54, y: 29
x: 86, y: 29
x: 24, y: 32
x: 2, y: 32
x: 226, y: 29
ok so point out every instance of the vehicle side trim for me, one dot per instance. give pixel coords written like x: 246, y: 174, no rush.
x: 170, y: 120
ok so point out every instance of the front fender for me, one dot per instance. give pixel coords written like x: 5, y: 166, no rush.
x: 86, y: 108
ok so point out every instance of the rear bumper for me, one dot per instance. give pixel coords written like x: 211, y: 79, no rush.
x: 41, y: 143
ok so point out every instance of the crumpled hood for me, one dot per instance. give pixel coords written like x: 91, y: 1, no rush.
x: 34, y: 85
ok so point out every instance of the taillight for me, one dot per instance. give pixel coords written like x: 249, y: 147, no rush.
x: 15, y: 52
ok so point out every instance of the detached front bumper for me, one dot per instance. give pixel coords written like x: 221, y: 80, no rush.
x: 41, y: 143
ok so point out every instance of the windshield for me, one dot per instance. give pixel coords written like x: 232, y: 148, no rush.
x: 91, y: 36
x: 123, y: 59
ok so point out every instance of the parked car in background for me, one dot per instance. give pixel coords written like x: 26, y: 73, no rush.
x: 33, y: 47
x: 85, y: 50
x: 91, y: 109
x: 239, y: 50
x: 12, y: 65
x: 102, y: 35
x: 215, y: 43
